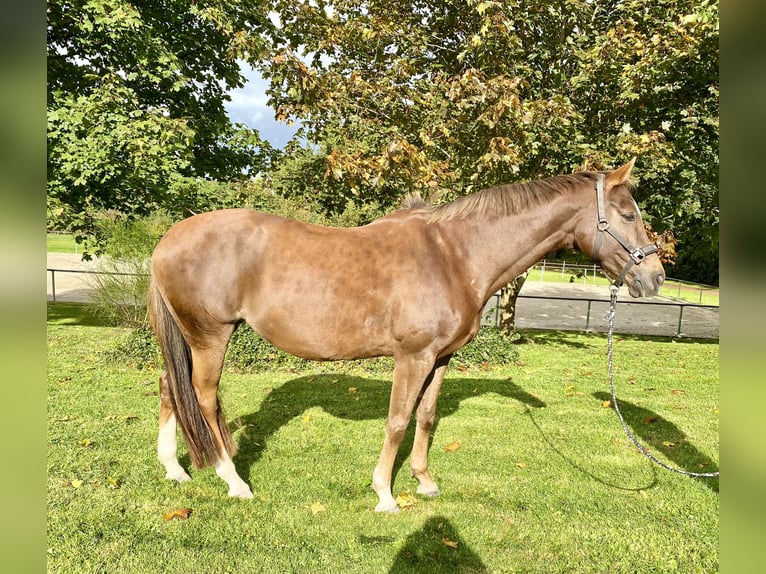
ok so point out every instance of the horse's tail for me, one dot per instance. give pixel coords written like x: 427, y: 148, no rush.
x: 200, y: 440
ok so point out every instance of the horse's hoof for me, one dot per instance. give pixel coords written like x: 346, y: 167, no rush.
x: 429, y: 491
x: 387, y: 508
x: 179, y: 476
x: 241, y: 494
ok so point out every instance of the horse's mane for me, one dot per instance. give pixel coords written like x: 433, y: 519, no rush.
x: 508, y: 199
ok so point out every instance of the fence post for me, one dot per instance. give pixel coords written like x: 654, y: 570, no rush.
x: 53, y: 284
x: 587, y: 317
x: 680, y: 319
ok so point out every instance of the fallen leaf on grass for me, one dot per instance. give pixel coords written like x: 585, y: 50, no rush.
x: 406, y: 500
x: 521, y: 464
x: 86, y: 442
x: 113, y: 483
x: 606, y: 404
x: 180, y: 514
x: 677, y: 392
x: 449, y: 543
x: 316, y: 508
x: 668, y: 444
x: 76, y: 483
x: 352, y: 390
x: 452, y: 447
x: 306, y: 418
x: 649, y: 420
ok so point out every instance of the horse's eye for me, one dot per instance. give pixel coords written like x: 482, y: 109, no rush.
x: 630, y: 217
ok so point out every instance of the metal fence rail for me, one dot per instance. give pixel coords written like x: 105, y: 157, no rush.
x: 584, y: 313
x: 668, y: 318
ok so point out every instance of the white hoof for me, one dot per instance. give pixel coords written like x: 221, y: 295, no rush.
x: 177, y: 475
x: 388, y: 507
x: 430, y: 490
x: 243, y: 493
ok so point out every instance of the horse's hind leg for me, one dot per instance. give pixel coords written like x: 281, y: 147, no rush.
x: 425, y: 415
x: 206, y: 374
x: 167, y: 440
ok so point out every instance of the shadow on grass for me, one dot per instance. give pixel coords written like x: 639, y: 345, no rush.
x: 662, y: 436
x: 63, y: 313
x: 369, y: 401
x: 436, y: 548
x: 567, y: 338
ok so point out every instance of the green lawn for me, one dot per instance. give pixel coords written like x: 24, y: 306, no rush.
x: 62, y: 243
x: 543, y: 480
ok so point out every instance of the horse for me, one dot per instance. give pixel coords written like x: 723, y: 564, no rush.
x: 411, y: 285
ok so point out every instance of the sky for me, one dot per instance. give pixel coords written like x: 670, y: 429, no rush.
x: 249, y: 106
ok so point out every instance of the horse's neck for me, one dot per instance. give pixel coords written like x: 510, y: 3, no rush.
x: 502, y: 249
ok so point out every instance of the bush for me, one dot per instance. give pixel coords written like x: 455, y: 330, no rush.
x: 121, y: 287
x: 249, y: 353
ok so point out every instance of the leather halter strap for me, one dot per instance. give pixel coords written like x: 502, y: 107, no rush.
x: 637, y: 254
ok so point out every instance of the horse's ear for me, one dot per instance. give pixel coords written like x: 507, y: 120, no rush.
x: 620, y: 175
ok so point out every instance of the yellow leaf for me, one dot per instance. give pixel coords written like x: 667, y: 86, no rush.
x: 452, y: 447
x: 305, y: 418
x: 521, y: 464
x: 668, y: 443
x: 86, y: 442
x: 449, y: 543
x: 77, y: 483
x: 606, y: 404
x: 406, y: 500
x: 180, y: 514
x: 352, y: 390
x: 112, y: 482
x: 316, y: 508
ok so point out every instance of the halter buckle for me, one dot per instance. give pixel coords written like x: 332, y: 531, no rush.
x: 637, y: 255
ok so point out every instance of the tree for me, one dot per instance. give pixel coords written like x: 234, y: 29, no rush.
x: 135, y: 102
x: 446, y: 98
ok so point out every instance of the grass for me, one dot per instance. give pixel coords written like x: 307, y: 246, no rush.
x: 62, y: 243
x: 543, y: 481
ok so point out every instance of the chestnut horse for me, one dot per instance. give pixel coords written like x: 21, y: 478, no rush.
x: 411, y: 285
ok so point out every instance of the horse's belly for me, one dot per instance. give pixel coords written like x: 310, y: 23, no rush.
x: 323, y: 332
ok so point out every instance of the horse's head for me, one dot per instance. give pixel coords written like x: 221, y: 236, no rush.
x: 616, y: 237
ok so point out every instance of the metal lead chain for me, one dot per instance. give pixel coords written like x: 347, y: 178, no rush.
x: 610, y: 366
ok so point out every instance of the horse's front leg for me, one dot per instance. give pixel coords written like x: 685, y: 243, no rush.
x: 425, y: 415
x: 167, y: 440
x: 410, y: 373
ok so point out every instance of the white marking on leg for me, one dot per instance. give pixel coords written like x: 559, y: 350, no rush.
x: 238, y: 488
x: 167, y: 451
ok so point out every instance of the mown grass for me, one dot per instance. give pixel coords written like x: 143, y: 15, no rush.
x: 543, y: 481
x: 61, y: 243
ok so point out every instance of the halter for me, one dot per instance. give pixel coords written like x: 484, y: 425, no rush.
x: 637, y: 254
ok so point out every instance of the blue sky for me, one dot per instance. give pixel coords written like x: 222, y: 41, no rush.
x: 249, y: 106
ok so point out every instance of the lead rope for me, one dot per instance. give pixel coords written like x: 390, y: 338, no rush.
x: 610, y: 365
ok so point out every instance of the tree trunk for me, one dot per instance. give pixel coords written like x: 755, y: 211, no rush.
x: 508, y: 296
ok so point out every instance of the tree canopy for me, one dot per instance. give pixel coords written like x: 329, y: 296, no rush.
x: 446, y: 98
x: 434, y: 96
x: 135, y: 102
